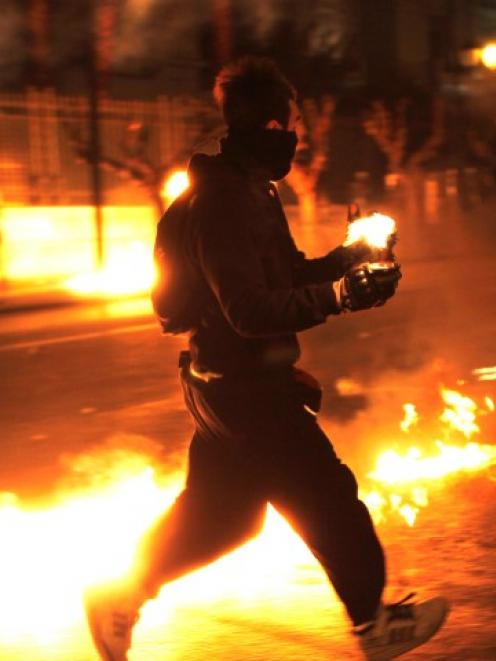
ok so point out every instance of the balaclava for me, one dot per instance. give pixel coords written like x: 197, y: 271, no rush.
x: 270, y: 149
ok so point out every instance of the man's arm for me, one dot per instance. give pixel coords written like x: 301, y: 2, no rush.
x: 227, y: 254
x: 329, y: 268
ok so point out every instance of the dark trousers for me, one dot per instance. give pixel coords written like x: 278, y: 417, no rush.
x: 256, y: 443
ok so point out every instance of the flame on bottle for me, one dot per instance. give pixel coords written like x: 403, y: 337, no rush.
x: 376, y: 230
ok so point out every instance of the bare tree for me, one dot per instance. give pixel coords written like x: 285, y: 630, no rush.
x: 311, y: 157
x: 133, y: 162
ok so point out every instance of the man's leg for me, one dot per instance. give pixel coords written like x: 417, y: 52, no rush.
x: 217, y: 511
x: 318, y: 495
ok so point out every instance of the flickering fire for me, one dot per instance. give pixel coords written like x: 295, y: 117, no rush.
x: 128, y: 270
x: 485, y: 373
x: 402, y: 478
x: 410, y: 417
x: 49, y: 244
x: 48, y: 555
x: 488, y: 56
x: 176, y: 184
x: 375, y: 229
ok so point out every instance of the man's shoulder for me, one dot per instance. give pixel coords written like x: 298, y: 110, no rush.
x: 223, y: 194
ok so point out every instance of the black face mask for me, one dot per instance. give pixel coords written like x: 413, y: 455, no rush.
x: 270, y: 149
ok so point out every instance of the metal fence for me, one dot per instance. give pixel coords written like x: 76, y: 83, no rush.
x: 39, y: 163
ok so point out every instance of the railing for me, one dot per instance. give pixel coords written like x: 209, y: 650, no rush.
x: 38, y: 129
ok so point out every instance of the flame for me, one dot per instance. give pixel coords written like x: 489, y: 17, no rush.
x: 129, y: 270
x: 401, y: 479
x: 488, y: 56
x: 460, y: 412
x: 56, y: 244
x: 375, y: 230
x: 413, y: 466
x: 175, y: 184
x: 485, y: 373
x: 49, y: 554
x: 410, y: 417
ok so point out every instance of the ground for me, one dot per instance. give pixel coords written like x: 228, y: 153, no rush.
x: 81, y: 384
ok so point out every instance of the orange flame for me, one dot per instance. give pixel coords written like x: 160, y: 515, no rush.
x: 174, y: 185
x: 402, y: 478
x: 49, y: 555
x: 410, y: 417
x: 374, y: 230
x: 129, y: 270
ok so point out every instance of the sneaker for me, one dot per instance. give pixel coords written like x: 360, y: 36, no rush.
x: 400, y: 627
x: 111, y: 614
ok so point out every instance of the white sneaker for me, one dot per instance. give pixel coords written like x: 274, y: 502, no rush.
x: 400, y: 627
x: 111, y: 613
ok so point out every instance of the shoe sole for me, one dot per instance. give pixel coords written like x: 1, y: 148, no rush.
x: 386, y: 656
x: 92, y: 618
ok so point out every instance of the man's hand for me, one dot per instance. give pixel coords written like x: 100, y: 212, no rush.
x: 368, y: 285
x: 346, y: 257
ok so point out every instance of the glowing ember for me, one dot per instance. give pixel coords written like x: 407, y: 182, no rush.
x: 489, y: 403
x: 176, y: 184
x: 129, y: 270
x: 376, y: 230
x: 410, y: 417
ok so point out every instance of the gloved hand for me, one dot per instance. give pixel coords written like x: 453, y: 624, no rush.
x: 346, y: 257
x: 368, y: 285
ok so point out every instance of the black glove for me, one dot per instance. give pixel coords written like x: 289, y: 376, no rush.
x: 346, y: 257
x: 368, y: 285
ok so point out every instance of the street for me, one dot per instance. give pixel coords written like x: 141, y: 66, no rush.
x: 88, y: 390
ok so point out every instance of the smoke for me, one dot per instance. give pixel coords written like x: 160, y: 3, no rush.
x: 149, y: 32
x: 12, y: 43
x: 132, y: 36
x: 259, y: 18
x: 328, y: 28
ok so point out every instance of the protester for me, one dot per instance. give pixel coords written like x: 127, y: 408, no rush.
x: 244, y: 292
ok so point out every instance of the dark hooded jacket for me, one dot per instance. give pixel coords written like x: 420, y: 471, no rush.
x: 255, y: 290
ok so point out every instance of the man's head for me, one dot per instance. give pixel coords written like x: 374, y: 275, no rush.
x: 252, y: 93
x: 260, y: 110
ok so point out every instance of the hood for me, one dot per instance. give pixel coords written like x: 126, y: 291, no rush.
x: 203, y: 169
